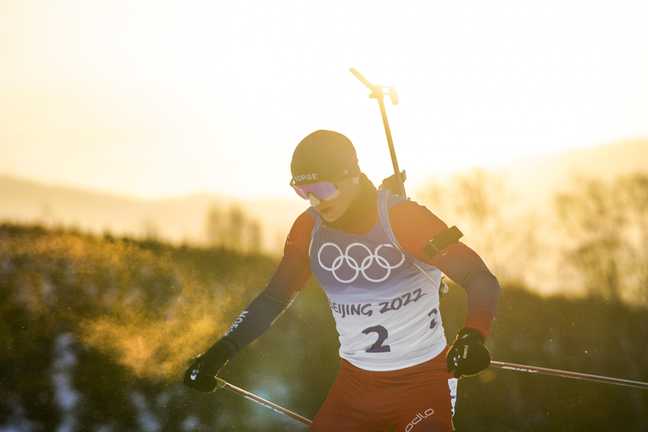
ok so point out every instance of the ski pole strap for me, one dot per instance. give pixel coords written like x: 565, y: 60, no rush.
x: 569, y: 374
x: 442, y: 240
x: 261, y: 401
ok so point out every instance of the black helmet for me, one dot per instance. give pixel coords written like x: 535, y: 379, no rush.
x: 323, y: 155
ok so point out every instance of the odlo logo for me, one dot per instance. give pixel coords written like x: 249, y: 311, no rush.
x: 419, y: 418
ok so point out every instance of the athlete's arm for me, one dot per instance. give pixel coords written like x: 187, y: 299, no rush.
x: 414, y: 225
x: 290, y: 277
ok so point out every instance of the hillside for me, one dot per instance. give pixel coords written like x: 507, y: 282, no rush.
x: 96, y: 332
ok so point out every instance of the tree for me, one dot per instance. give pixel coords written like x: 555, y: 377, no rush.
x: 150, y: 230
x: 214, y: 226
x: 478, y: 202
x: 607, y: 227
x: 254, y: 237
x: 233, y: 229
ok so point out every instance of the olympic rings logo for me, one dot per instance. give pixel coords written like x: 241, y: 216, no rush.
x: 365, y: 263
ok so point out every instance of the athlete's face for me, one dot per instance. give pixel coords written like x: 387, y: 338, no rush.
x: 331, y: 210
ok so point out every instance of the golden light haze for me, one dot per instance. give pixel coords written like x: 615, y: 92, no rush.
x: 153, y: 341
x: 161, y: 98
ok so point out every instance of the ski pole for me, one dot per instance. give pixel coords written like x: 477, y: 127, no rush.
x: 261, y: 401
x: 377, y: 92
x: 569, y: 374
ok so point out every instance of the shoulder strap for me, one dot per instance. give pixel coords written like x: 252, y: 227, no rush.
x: 385, y: 201
x: 316, y: 227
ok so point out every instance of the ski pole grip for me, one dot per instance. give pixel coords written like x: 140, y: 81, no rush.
x: 442, y: 240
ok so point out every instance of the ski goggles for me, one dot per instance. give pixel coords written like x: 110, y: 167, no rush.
x: 323, y: 190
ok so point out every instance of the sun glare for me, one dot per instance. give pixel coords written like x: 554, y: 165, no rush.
x: 219, y: 93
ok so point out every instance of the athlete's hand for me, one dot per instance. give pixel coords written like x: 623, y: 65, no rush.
x: 200, y: 375
x: 393, y: 183
x: 468, y: 355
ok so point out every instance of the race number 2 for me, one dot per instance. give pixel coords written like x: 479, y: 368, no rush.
x: 382, y: 333
x: 433, y: 314
x: 378, y: 346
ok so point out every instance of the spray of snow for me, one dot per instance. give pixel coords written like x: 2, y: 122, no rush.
x: 160, y: 346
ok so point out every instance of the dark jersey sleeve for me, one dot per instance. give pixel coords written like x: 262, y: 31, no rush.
x: 414, y: 225
x: 289, y: 278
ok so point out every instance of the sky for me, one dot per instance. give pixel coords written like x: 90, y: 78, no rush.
x: 155, y: 99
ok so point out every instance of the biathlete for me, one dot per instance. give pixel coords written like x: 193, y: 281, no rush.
x: 367, y: 248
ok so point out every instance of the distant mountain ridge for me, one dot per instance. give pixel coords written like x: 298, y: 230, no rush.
x: 556, y: 171
x: 183, y: 218
x: 178, y: 219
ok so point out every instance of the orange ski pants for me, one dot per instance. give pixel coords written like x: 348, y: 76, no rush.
x: 415, y: 399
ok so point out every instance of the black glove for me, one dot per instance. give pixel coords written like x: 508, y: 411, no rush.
x: 200, y: 375
x: 468, y: 355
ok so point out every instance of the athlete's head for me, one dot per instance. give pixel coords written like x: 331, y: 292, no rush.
x: 325, y: 171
